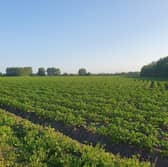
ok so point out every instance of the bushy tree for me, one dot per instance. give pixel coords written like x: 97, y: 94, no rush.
x: 149, y: 70
x: 57, y: 71
x: 41, y: 71
x: 65, y: 74
x: 53, y: 71
x: 156, y: 69
x: 19, y: 71
x: 82, y: 71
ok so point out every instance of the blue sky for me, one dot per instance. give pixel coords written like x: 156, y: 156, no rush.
x: 100, y: 35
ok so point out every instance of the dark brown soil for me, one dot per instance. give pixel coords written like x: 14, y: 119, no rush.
x: 83, y: 135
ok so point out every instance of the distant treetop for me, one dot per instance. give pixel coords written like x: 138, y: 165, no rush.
x: 156, y: 69
x: 82, y: 71
x: 19, y: 71
x: 41, y: 71
x: 52, y: 71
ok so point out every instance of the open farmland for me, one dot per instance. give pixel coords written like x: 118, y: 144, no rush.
x: 126, y: 113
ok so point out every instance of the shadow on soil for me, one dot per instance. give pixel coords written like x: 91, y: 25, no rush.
x: 82, y: 135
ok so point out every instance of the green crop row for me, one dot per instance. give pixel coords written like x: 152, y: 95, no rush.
x: 25, y: 144
x: 128, y: 111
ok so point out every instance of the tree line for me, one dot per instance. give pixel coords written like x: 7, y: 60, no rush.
x: 53, y: 71
x: 156, y: 69
x: 28, y: 71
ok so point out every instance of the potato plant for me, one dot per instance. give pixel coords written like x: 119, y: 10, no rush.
x: 25, y: 144
x: 126, y: 110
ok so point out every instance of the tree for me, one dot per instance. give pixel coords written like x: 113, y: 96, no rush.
x: 149, y: 70
x: 19, y: 71
x: 65, y: 74
x: 156, y: 69
x: 82, y: 71
x: 89, y: 73
x: 57, y: 71
x: 53, y: 71
x: 41, y: 71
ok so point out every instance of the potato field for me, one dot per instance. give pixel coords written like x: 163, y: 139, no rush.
x: 104, y: 121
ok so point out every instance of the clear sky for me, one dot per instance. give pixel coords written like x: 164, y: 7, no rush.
x: 100, y: 35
